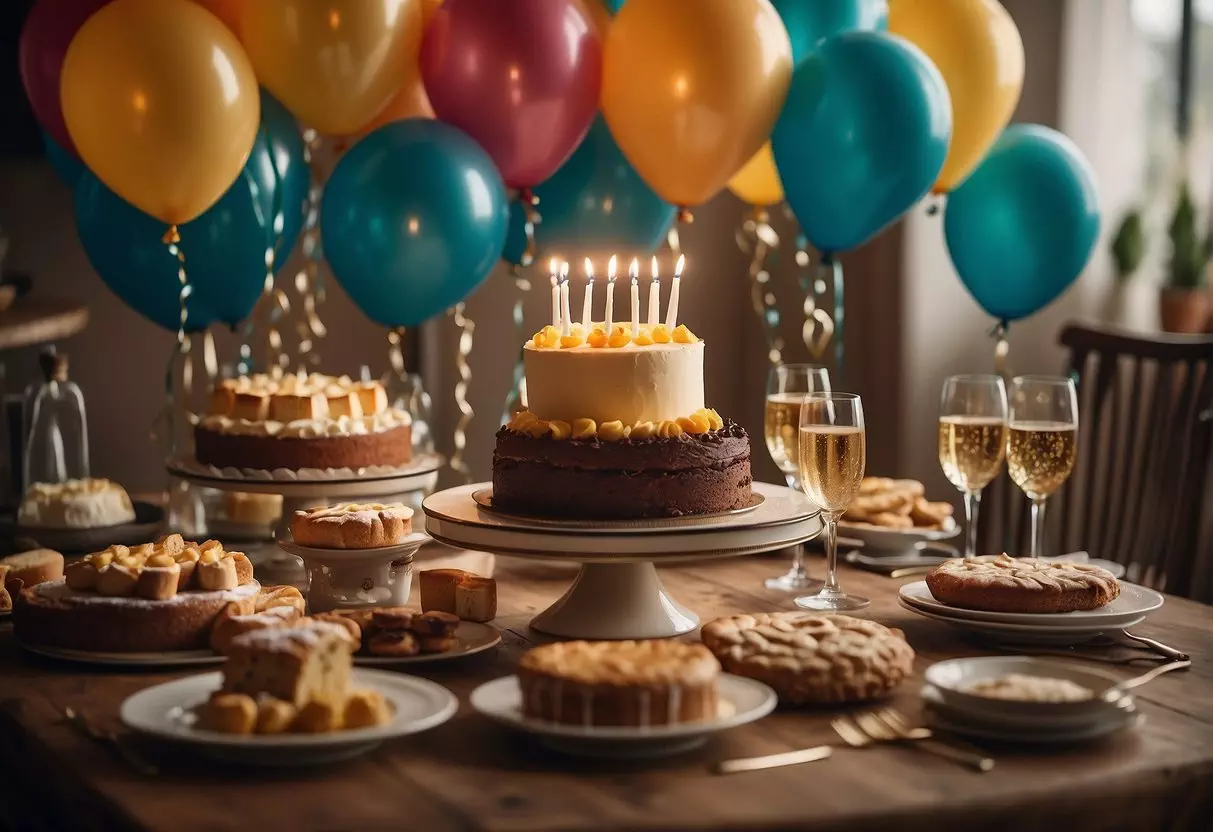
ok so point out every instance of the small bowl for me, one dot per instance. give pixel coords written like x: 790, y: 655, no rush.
x: 952, y: 676
x: 352, y: 578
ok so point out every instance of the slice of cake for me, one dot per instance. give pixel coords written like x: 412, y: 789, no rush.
x: 75, y: 504
x: 300, y: 665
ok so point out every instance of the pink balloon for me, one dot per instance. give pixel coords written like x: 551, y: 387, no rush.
x: 49, y: 29
x: 520, y: 76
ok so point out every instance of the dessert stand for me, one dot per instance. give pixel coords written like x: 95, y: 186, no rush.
x: 617, y: 593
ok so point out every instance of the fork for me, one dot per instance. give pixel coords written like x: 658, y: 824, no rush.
x: 110, y: 739
x: 1157, y: 646
x: 888, y: 725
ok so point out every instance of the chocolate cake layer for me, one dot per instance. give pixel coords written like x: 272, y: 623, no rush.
x: 592, y: 479
x: 228, y: 450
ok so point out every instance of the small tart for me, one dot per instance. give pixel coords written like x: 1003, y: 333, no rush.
x: 352, y: 526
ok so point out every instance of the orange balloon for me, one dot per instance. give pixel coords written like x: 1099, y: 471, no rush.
x: 410, y: 102
x: 161, y: 103
x: 428, y: 8
x: 599, y: 15
x: 335, y: 64
x: 226, y: 10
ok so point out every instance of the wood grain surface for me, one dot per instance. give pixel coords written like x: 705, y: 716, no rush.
x: 470, y: 774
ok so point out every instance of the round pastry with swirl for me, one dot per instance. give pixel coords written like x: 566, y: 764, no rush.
x: 1027, y: 585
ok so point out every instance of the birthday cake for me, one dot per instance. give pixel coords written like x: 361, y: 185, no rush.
x: 302, y: 421
x: 617, y: 428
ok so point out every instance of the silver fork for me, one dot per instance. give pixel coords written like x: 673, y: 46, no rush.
x: 1158, y: 647
x: 889, y: 726
x: 111, y: 740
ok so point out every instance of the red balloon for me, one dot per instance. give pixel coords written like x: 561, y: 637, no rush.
x: 49, y: 28
x: 520, y: 76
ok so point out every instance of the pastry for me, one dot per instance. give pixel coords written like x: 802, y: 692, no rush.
x: 228, y: 713
x: 928, y: 514
x: 75, y: 504
x: 249, y: 509
x: 1026, y: 585
x: 392, y: 643
x: 476, y: 599
x: 617, y: 428
x: 352, y: 526
x: 436, y: 644
x: 273, y: 715
x: 438, y: 588
x: 214, y: 572
x: 35, y: 567
x: 364, y: 709
x: 350, y: 626
x: 434, y: 623
x: 302, y: 664
x: 874, y: 485
x: 809, y: 658
x: 302, y: 421
x: 124, y: 599
x: 229, y: 627
x: 896, y: 504
x: 362, y: 617
x: 280, y: 596
x: 390, y: 618
x: 317, y: 717
x: 634, y: 683
x: 6, y: 600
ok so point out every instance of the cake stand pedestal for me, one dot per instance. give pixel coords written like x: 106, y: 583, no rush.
x: 618, y: 593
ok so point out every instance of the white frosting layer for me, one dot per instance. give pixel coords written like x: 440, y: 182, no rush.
x: 630, y: 383
x: 311, y: 428
x: 75, y: 504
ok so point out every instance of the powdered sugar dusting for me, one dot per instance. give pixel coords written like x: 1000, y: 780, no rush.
x: 285, y: 639
x: 59, y: 590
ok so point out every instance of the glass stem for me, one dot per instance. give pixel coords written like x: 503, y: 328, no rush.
x: 972, y: 506
x: 1038, y: 528
x: 793, y: 481
x: 831, y: 585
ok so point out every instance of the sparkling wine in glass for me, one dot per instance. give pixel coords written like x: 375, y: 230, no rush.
x: 1042, y: 442
x: 972, y: 440
x: 787, y: 385
x: 833, y: 452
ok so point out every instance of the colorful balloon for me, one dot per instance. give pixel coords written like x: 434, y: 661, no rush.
x: 224, y: 248
x: 162, y: 105
x: 521, y: 77
x: 67, y: 167
x: 413, y: 219
x: 48, y: 30
x: 595, y: 204
x: 1022, y: 227
x: 863, y: 135
x: 337, y: 63
x: 757, y: 183
x: 691, y: 90
x: 977, y: 48
x: 226, y: 10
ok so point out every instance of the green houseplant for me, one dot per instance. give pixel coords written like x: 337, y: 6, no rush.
x: 1184, y: 303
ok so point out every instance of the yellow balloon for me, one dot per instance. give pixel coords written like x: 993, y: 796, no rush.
x: 978, y: 50
x: 226, y: 10
x: 758, y: 181
x: 335, y: 64
x: 162, y: 104
x: 692, y: 90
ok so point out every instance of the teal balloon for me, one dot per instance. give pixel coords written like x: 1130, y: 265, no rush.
x: 413, y: 219
x: 862, y: 136
x: 613, y: 6
x: 809, y: 22
x: 595, y: 202
x: 67, y: 167
x: 1022, y: 227
x: 224, y: 248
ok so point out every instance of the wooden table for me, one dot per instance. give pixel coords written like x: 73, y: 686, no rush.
x: 472, y: 775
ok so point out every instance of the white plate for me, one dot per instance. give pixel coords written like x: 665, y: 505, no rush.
x: 473, y: 638
x: 177, y: 658
x: 1059, y: 623
x: 165, y: 712
x: 1133, y: 602
x: 744, y: 700
x: 938, y: 715
x: 1024, y: 633
x: 897, y: 540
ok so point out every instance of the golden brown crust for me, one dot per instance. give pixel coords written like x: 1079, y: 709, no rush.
x: 229, y: 627
x: 896, y: 504
x: 352, y: 526
x: 1024, y: 585
x: 281, y: 595
x: 35, y: 567
x: 392, y: 643
x: 809, y: 658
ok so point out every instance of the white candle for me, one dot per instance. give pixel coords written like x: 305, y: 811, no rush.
x: 671, y: 316
x: 555, y: 292
x: 588, y: 304
x: 634, y: 271
x: 654, y: 296
x: 610, y: 293
x: 566, y: 319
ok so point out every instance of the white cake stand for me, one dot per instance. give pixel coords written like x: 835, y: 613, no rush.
x: 618, y: 594
x: 316, y: 488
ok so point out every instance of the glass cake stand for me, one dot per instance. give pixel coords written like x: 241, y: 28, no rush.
x: 617, y: 593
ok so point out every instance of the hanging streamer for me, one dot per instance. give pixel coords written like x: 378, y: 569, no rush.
x: 309, y: 281
x: 818, y: 327
x: 1002, y: 350
x: 273, y: 304
x: 758, y: 238
x: 516, y: 400
x: 467, y: 331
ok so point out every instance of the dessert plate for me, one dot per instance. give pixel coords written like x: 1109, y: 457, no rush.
x: 743, y: 700
x: 165, y: 712
x: 149, y: 518
x: 1053, y: 634
x: 484, y: 501
x: 896, y: 540
x: 179, y: 658
x: 1133, y: 602
x: 473, y: 638
x: 938, y: 714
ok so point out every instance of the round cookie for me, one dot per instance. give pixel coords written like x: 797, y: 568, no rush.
x: 1025, y: 585
x: 809, y: 658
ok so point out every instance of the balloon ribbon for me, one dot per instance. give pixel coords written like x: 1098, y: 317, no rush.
x: 467, y: 330
x: 309, y: 282
x: 758, y: 239
x: 818, y: 326
x: 273, y: 303
x: 1002, y: 350
x: 516, y: 399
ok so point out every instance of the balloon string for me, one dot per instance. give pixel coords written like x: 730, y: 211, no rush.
x: 516, y: 400
x: 1002, y: 350
x: 836, y: 267
x: 758, y: 238
x: 266, y: 313
x: 467, y: 331
x: 818, y: 326
x: 172, y: 239
x: 309, y: 284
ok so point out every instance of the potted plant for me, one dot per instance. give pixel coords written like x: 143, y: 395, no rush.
x: 1125, y: 304
x: 1184, y: 303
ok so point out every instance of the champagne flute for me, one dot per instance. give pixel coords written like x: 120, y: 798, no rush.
x: 787, y: 385
x: 833, y: 450
x: 1042, y: 442
x: 972, y: 440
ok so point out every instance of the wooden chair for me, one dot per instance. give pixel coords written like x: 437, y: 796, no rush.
x: 1141, y: 492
